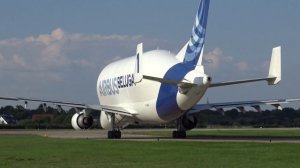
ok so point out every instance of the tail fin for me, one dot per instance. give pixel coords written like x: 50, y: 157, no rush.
x: 191, y: 53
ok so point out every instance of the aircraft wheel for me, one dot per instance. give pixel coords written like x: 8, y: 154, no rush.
x: 179, y: 134
x: 182, y: 134
x: 117, y: 134
x: 114, y: 134
x: 110, y: 135
x: 175, y: 134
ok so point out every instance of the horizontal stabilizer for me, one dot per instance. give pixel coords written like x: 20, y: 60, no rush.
x: 274, y: 72
x: 169, y: 81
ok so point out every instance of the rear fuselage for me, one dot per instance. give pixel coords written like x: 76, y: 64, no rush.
x: 151, y: 101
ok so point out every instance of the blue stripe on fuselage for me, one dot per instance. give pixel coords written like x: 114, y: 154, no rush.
x: 166, y: 105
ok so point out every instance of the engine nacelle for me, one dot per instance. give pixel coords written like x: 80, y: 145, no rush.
x: 121, y: 121
x: 189, y: 122
x: 82, y: 121
x: 105, y: 121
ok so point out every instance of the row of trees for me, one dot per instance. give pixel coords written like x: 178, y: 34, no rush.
x: 288, y: 117
x: 58, y: 119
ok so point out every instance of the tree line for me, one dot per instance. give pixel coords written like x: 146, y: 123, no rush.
x: 287, y: 117
x: 59, y: 118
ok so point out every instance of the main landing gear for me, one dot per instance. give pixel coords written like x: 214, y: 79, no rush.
x: 181, y: 132
x: 115, y: 133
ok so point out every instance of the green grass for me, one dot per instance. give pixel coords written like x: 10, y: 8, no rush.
x: 33, y: 151
x: 227, y: 132
x: 252, y: 132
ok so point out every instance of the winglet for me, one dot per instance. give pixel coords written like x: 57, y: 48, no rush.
x: 138, y: 76
x: 274, y: 76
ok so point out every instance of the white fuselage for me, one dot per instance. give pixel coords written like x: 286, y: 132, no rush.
x: 150, y: 101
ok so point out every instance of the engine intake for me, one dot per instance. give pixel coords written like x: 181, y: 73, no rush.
x: 82, y: 121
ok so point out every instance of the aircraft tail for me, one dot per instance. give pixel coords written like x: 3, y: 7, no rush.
x: 191, y: 53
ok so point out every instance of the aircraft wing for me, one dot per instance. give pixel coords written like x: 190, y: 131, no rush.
x: 108, y: 109
x: 26, y: 100
x: 240, y: 105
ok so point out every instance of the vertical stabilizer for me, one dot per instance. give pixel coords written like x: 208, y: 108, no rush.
x: 191, y: 53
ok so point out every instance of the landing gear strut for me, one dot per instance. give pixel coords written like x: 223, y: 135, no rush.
x: 180, y: 133
x: 115, y: 133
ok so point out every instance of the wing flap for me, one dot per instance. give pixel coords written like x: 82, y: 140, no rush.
x: 109, y: 109
x: 68, y: 104
x: 118, y: 110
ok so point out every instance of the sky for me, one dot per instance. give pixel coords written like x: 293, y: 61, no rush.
x: 55, y: 49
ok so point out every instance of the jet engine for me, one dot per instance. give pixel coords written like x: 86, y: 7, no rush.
x: 121, y: 121
x: 82, y: 120
x: 189, y: 122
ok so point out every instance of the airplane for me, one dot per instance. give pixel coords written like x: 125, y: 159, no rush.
x: 159, y: 87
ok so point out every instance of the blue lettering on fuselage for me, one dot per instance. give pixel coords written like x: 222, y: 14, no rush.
x: 112, y: 86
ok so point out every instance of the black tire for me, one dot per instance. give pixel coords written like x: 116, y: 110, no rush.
x: 114, y: 134
x: 117, y: 134
x: 110, y: 135
x: 179, y: 134
x: 175, y: 134
x: 182, y: 134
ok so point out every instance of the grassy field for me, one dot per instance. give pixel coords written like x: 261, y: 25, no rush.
x: 227, y: 132
x: 34, y: 151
